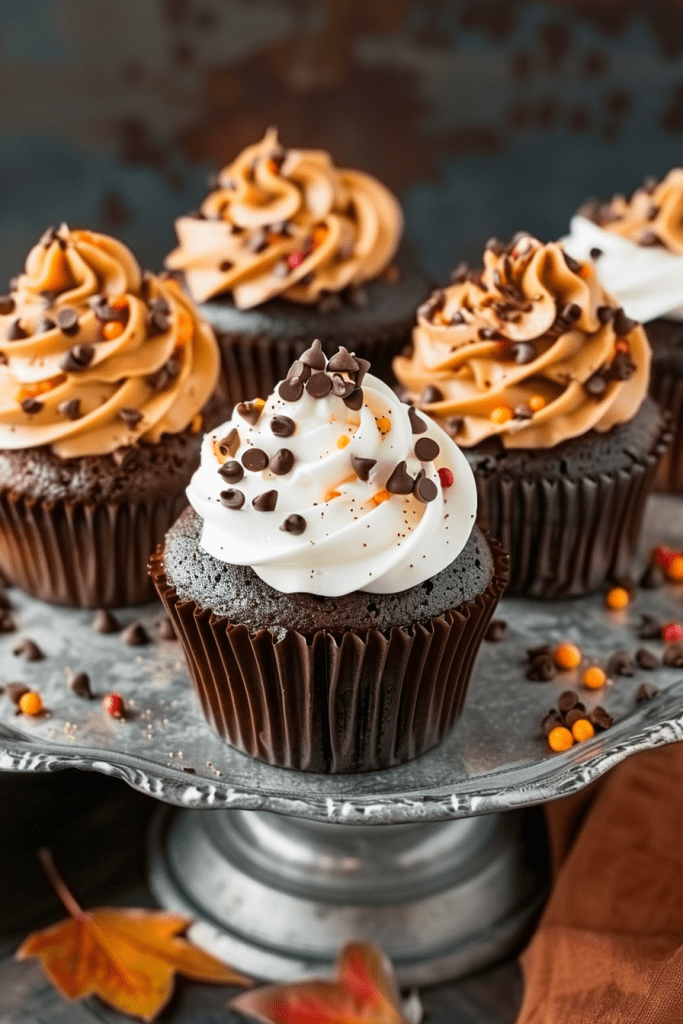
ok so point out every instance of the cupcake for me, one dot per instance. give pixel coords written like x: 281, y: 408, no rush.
x: 541, y: 378
x: 287, y: 247
x: 104, y: 373
x: 328, y: 584
x: 638, y: 248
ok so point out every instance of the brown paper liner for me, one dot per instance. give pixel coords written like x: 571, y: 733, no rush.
x: 330, y: 704
x: 83, y: 555
x: 568, y: 537
x: 666, y: 387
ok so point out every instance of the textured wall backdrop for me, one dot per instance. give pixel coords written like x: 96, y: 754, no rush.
x: 486, y: 116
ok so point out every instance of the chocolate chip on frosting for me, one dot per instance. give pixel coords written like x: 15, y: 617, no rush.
x: 6, y: 305
x: 291, y: 389
x: 605, y: 314
x: 255, y: 460
x: 70, y: 408
x: 343, y: 361
x: 319, y: 385
x: 417, y: 424
x: 265, y: 502
x: 400, y: 481
x: 232, y: 472
x: 45, y: 325
x: 232, y: 498
x: 424, y: 489
x: 67, y: 320
x: 572, y: 264
x: 354, y: 401
x: 431, y: 394
x: 131, y: 417
x: 623, y: 324
x: 15, y: 332
x: 363, y: 367
x: 165, y: 375
x: 295, y: 524
x: 426, y: 449
x: 314, y: 356
x: 230, y: 443
x: 595, y: 386
x: 362, y: 467
x: 31, y: 406
x: 341, y: 387
x: 250, y: 411
x: 282, y: 426
x: 299, y: 369
x: 77, y: 358
x: 282, y: 462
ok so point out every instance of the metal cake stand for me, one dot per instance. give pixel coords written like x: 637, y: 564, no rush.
x: 433, y: 860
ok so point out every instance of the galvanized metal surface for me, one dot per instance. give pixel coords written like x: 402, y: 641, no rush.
x: 495, y: 759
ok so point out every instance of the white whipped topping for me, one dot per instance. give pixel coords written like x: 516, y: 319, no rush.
x: 646, y: 280
x: 350, y: 542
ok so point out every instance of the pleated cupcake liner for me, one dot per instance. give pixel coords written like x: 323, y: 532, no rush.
x: 666, y: 387
x: 86, y: 555
x: 568, y: 537
x: 332, y: 703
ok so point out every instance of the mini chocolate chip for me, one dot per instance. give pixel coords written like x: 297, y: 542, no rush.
x: 522, y: 412
x: 166, y: 629
x: 232, y: 472
x: 225, y: 266
x: 595, y: 386
x: 70, y: 408
x: 568, y: 699
x: 77, y: 358
x: 645, y: 692
x: 490, y: 334
x: 135, y: 634
x: 319, y: 385
x: 291, y: 389
x: 300, y: 370
x: 541, y: 668
x: 255, y: 460
x: 80, y: 685
x: 45, y: 325
x: 105, y: 622
x: 622, y: 323
x: 131, y: 417
x: 572, y: 264
x: 653, y: 577
x: 31, y: 406
x: 282, y: 462
x: 551, y: 721
x: 165, y: 375
x: 600, y: 719
x: 7, y: 624
x: 343, y: 362
x: 426, y: 450
x: 574, y: 715
x: 232, y: 498
x: 230, y: 443
x: 646, y: 659
x: 249, y: 412
x: 28, y: 650
x: 363, y: 367
x: 282, y: 426
x: 15, y: 691
x: 572, y: 311
x: 431, y: 394
x: 454, y: 425
x: 650, y: 627
x: 157, y: 322
x: 497, y: 631
x: 417, y: 424
x: 354, y: 401
x: 605, y: 314
x: 294, y: 524
x: 67, y: 320
x: 314, y: 356
x: 362, y: 467
x: 342, y: 388
x: 534, y: 652
x: 6, y: 305
x: 400, y: 481
x: 522, y: 352
x: 424, y: 490
x: 620, y: 664
x: 15, y: 332
x: 673, y: 656
x: 649, y: 238
x: 622, y: 367
x: 595, y: 253
x: 265, y: 502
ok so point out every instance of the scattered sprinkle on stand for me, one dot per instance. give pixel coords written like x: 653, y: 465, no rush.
x: 617, y: 598
x: 31, y: 703
x: 594, y: 677
x: 567, y: 656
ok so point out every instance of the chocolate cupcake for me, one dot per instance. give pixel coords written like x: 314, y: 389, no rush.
x: 328, y: 586
x: 541, y: 378
x: 104, y: 375
x: 638, y: 248
x: 287, y: 247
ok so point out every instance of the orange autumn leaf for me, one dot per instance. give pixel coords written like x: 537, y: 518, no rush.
x: 365, y: 992
x: 127, y: 957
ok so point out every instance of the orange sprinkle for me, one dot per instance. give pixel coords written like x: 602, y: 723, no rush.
x: 594, y: 677
x: 501, y: 414
x: 118, y: 302
x: 258, y: 403
x: 560, y: 739
x: 319, y: 235
x: 197, y: 423
x: 39, y: 387
x: 343, y: 440
x: 582, y: 729
x: 332, y: 494
x: 536, y: 403
x: 185, y: 327
x: 31, y: 703
x: 380, y: 497
x: 112, y: 329
x: 617, y: 598
x: 567, y: 655
x: 675, y: 569
x: 383, y: 424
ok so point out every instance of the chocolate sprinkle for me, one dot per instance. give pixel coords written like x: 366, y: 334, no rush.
x: 313, y: 356
x: 77, y: 358
x: 282, y: 462
x: 28, y: 650
x: 67, y: 320
x: 646, y: 659
x: 431, y: 394
x: 230, y: 443
x: 135, y: 634
x: 255, y: 460
x: 249, y: 412
x: 645, y: 692
x: 105, y: 622
x: 319, y: 385
x: 232, y: 472
x: 426, y: 449
x: 70, y: 408
x: 131, y: 417
x: 282, y: 426
x: 497, y: 631
x: 265, y: 502
x: 354, y: 401
x: 232, y: 499
x: 295, y: 524
x: 343, y: 361
x: 424, y: 490
x: 417, y: 424
x: 80, y: 685
x: 400, y: 481
x: 362, y: 467
x: 31, y: 406
x: 15, y: 332
x: 291, y: 389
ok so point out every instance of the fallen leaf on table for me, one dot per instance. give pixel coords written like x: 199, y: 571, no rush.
x: 365, y: 992
x: 127, y: 957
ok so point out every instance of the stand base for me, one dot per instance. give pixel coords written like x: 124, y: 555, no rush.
x: 277, y: 897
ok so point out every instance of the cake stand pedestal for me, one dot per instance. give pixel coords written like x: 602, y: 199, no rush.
x: 434, y: 860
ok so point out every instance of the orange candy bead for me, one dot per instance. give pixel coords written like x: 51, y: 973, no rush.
x: 185, y: 327
x: 560, y: 738
x: 675, y: 569
x: 536, y: 403
x: 112, y: 329
x: 501, y: 414
x: 118, y: 302
x: 380, y: 497
x: 31, y: 703
x: 567, y: 656
x: 617, y: 598
x: 383, y: 424
x: 594, y: 677
x: 582, y: 730
x: 343, y: 440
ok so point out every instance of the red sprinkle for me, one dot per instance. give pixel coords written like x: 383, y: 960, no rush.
x: 664, y: 556
x: 113, y: 705
x: 445, y: 476
x: 295, y: 259
x: 672, y: 632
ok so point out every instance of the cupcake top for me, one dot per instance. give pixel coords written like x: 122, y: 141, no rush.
x: 531, y: 350
x: 95, y: 355
x: 638, y: 246
x: 333, y: 485
x: 288, y: 223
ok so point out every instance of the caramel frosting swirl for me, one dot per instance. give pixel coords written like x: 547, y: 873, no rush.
x: 286, y: 223
x: 531, y: 349
x: 653, y: 216
x: 95, y: 355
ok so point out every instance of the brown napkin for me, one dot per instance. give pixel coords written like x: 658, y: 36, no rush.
x: 609, y: 946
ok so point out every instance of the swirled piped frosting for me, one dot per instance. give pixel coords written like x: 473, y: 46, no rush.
x: 333, y: 485
x: 531, y: 350
x: 288, y: 223
x: 95, y: 355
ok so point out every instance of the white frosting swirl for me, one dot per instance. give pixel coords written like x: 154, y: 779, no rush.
x: 357, y: 536
x: 646, y: 280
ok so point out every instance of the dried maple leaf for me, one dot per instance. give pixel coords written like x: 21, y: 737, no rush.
x: 126, y: 957
x: 365, y: 992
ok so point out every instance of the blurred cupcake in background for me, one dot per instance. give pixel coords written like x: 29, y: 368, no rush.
x: 105, y: 373
x: 637, y: 244
x: 286, y: 247
x: 541, y: 378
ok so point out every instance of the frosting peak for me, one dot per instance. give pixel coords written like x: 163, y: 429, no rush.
x: 333, y: 485
x: 286, y: 223
x: 653, y: 216
x: 95, y: 355
x: 531, y: 349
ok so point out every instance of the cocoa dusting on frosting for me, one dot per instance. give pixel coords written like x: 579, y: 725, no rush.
x: 96, y: 356
x: 286, y: 223
x: 365, y: 495
x: 531, y: 349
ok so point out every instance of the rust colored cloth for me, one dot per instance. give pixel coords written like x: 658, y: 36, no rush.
x: 609, y: 946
